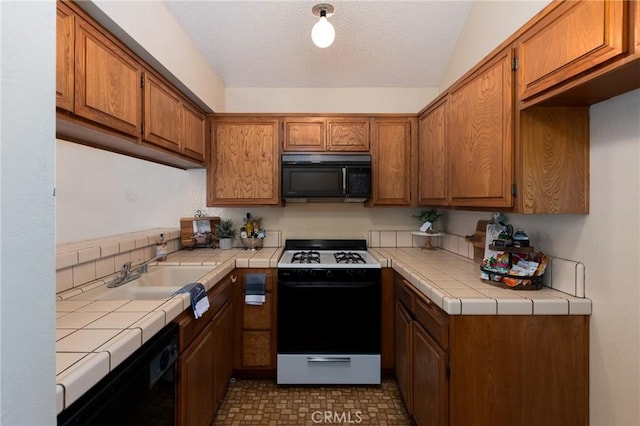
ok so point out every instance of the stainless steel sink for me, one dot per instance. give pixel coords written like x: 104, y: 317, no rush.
x: 159, y: 283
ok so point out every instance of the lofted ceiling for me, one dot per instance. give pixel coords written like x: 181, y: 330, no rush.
x: 391, y: 43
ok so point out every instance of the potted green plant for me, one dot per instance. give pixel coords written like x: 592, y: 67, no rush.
x: 225, y: 232
x: 428, y: 218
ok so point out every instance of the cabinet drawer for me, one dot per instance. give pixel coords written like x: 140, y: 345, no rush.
x: 434, y: 321
x: 405, y: 295
x: 191, y: 327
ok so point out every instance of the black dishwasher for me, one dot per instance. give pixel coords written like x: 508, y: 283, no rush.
x: 140, y: 391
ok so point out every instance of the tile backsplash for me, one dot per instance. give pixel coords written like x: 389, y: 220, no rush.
x: 454, y: 243
x: 81, y: 262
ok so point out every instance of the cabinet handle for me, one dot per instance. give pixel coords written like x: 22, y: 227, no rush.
x: 344, y: 181
x: 234, y: 278
x: 329, y: 359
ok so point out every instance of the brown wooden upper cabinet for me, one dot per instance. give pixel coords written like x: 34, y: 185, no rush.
x: 348, y: 134
x: 432, y: 160
x: 304, y: 134
x: 107, y: 82
x: 391, y: 161
x: 108, y: 98
x: 170, y: 121
x: 319, y: 134
x: 244, y: 163
x: 480, y: 130
x: 65, y: 57
x: 163, y: 114
x: 194, y: 132
x: 573, y: 38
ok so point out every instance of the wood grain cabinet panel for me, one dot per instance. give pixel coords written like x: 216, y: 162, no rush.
x: 244, y: 164
x: 223, y: 369
x: 304, y: 134
x: 65, y: 57
x: 163, y: 114
x: 480, y: 132
x: 255, y: 328
x: 348, y: 135
x: 404, y: 355
x: 430, y: 390
x: 258, y: 317
x: 205, y: 364
x: 432, y: 160
x: 575, y: 37
x: 197, y: 375
x: 554, y: 168
x: 489, y: 369
x: 391, y: 162
x: 256, y: 349
x: 194, y: 137
x: 107, y: 82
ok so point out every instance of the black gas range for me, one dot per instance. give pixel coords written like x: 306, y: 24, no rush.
x: 329, y: 313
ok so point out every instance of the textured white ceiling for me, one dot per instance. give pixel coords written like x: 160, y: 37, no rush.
x: 390, y: 43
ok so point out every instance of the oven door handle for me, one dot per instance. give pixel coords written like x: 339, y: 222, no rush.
x: 329, y: 359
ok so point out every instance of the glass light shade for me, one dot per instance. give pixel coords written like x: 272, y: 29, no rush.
x: 323, y: 33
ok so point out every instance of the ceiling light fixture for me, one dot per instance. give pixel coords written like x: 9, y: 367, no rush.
x: 323, y: 32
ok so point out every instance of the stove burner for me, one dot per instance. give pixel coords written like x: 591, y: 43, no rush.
x: 305, y: 257
x: 348, y: 257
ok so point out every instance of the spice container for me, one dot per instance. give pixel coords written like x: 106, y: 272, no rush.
x: 520, y: 239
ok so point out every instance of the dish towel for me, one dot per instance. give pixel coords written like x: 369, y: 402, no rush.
x: 198, y: 296
x: 254, y: 293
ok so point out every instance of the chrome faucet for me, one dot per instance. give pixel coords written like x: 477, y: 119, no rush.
x: 128, y: 273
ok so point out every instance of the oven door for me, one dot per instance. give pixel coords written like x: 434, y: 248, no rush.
x: 329, y: 317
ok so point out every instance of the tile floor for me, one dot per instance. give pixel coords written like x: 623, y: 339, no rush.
x: 263, y: 403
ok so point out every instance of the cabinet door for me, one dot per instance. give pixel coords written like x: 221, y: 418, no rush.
x: 554, y: 164
x: 107, y: 82
x: 432, y: 149
x: 194, y: 132
x: 244, y: 163
x: 163, y: 114
x: 196, y: 388
x: 65, y: 28
x: 404, y: 355
x: 430, y: 391
x: 304, y: 134
x: 349, y: 135
x: 481, y: 137
x: 391, y: 162
x: 573, y: 38
x: 256, y: 349
x: 223, y: 329
x: 258, y: 317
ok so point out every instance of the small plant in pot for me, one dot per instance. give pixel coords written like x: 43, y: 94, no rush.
x: 226, y: 232
x: 428, y: 218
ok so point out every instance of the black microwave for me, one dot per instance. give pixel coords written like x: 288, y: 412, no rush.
x: 326, y: 177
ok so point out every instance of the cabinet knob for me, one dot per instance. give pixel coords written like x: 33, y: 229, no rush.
x: 234, y: 278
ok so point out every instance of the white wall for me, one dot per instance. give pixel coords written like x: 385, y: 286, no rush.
x: 100, y: 193
x: 607, y: 240
x: 27, y: 261
x: 338, y: 100
x: 488, y: 24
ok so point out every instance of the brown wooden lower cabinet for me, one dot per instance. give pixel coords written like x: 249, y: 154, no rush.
x: 255, y: 328
x: 205, y: 364
x: 489, y: 369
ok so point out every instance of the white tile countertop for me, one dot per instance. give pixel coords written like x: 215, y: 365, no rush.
x: 94, y: 337
x: 452, y: 282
